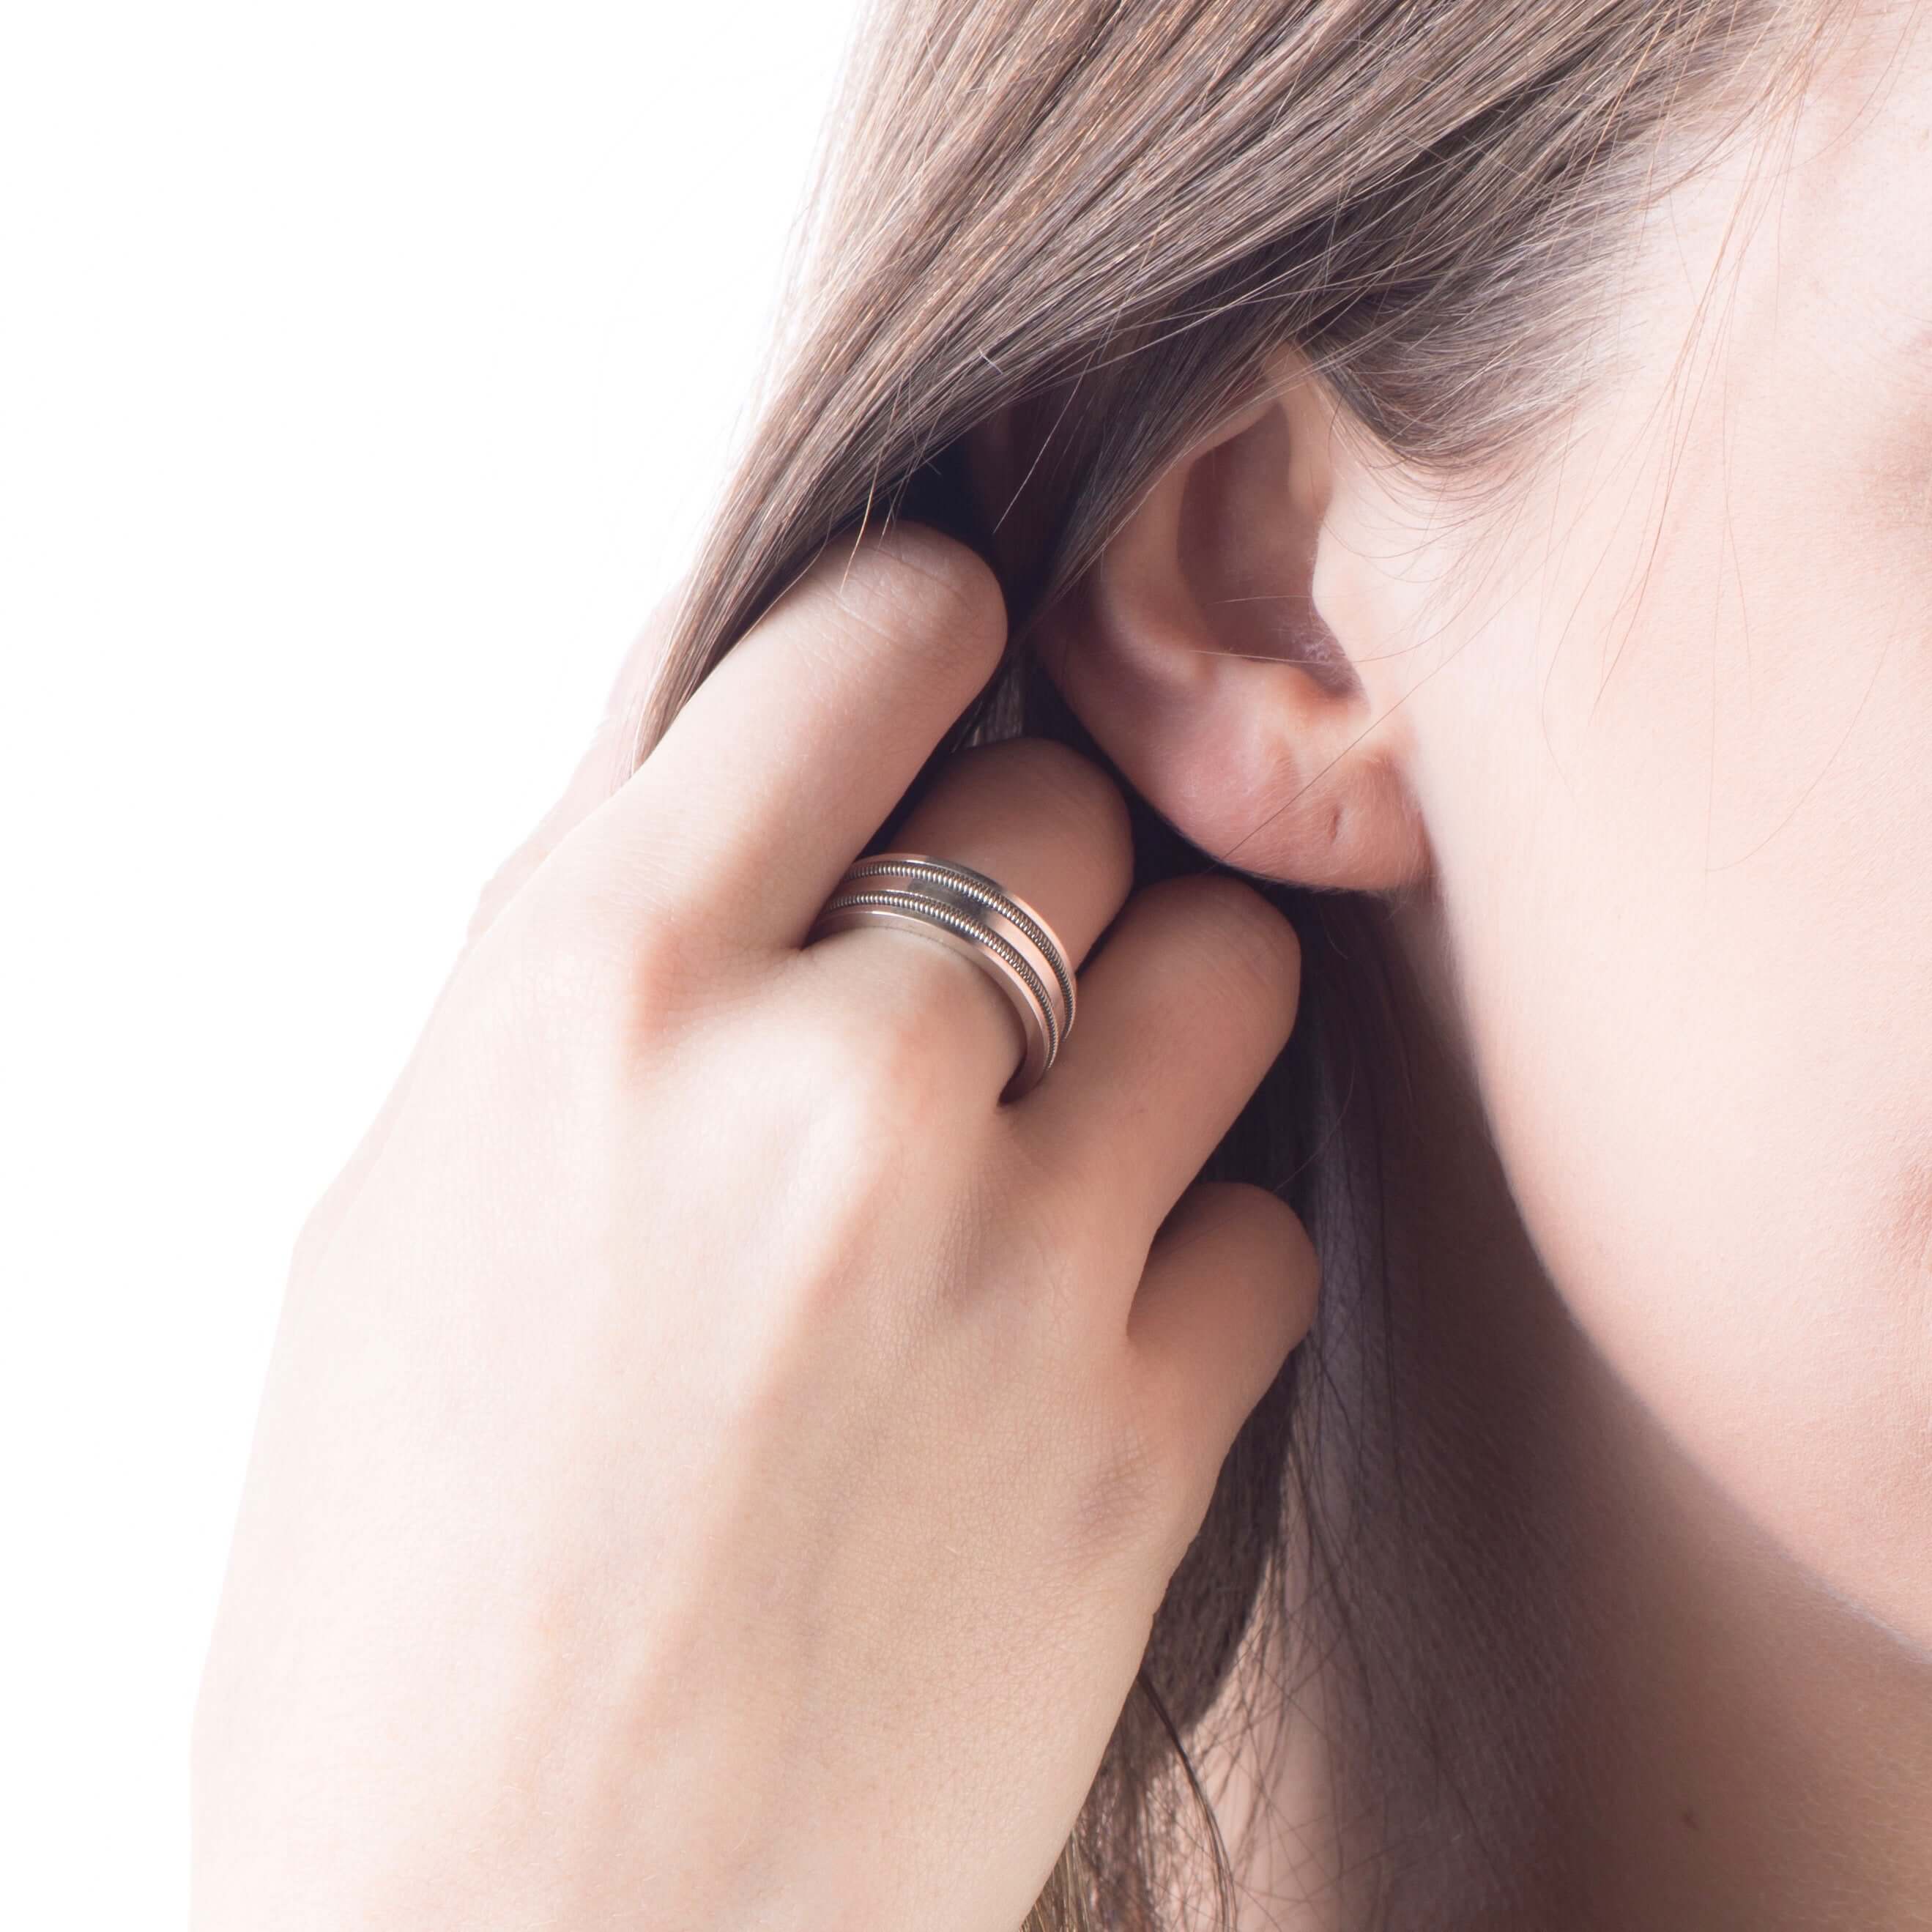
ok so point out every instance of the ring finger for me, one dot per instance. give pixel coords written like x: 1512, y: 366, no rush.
x: 1050, y: 827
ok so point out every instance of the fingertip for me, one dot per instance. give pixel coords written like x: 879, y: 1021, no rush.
x: 1229, y: 1292
x: 1267, y: 1244
x: 921, y: 591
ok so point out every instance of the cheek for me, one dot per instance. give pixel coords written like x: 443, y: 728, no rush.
x: 1693, y: 930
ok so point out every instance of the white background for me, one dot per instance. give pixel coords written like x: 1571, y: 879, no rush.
x: 365, y: 372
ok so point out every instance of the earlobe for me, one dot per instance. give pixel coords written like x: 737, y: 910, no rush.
x: 1197, y: 653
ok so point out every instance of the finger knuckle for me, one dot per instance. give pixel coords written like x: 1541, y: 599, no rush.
x: 902, y: 1072
x: 588, y: 957
x: 896, y: 1022
x: 871, y: 1079
x: 847, y: 1136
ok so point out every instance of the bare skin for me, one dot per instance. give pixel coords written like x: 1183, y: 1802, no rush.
x: 1641, y: 762
x: 1640, y: 768
x: 720, y: 1463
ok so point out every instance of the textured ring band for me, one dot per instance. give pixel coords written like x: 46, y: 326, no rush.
x: 976, y: 917
x: 1007, y: 912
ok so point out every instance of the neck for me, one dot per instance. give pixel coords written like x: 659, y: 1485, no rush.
x: 1582, y: 1690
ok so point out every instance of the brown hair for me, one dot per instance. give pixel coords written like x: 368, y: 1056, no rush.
x: 1098, y: 217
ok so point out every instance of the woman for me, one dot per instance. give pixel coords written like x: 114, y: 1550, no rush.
x: 1398, y: 532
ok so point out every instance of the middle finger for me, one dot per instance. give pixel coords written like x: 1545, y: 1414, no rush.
x: 1181, y: 1014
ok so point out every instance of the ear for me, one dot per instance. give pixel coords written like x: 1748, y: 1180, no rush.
x: 1216, y: 653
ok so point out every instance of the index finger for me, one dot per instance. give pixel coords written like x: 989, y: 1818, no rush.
x: 796, y: 747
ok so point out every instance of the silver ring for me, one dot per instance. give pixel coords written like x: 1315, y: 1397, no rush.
x: 976, y: 917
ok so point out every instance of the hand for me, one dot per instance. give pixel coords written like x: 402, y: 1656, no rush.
x: 719, y: 1464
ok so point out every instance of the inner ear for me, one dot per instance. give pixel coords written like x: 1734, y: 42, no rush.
x: 1250, y: 516
x: 1195, y: 655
